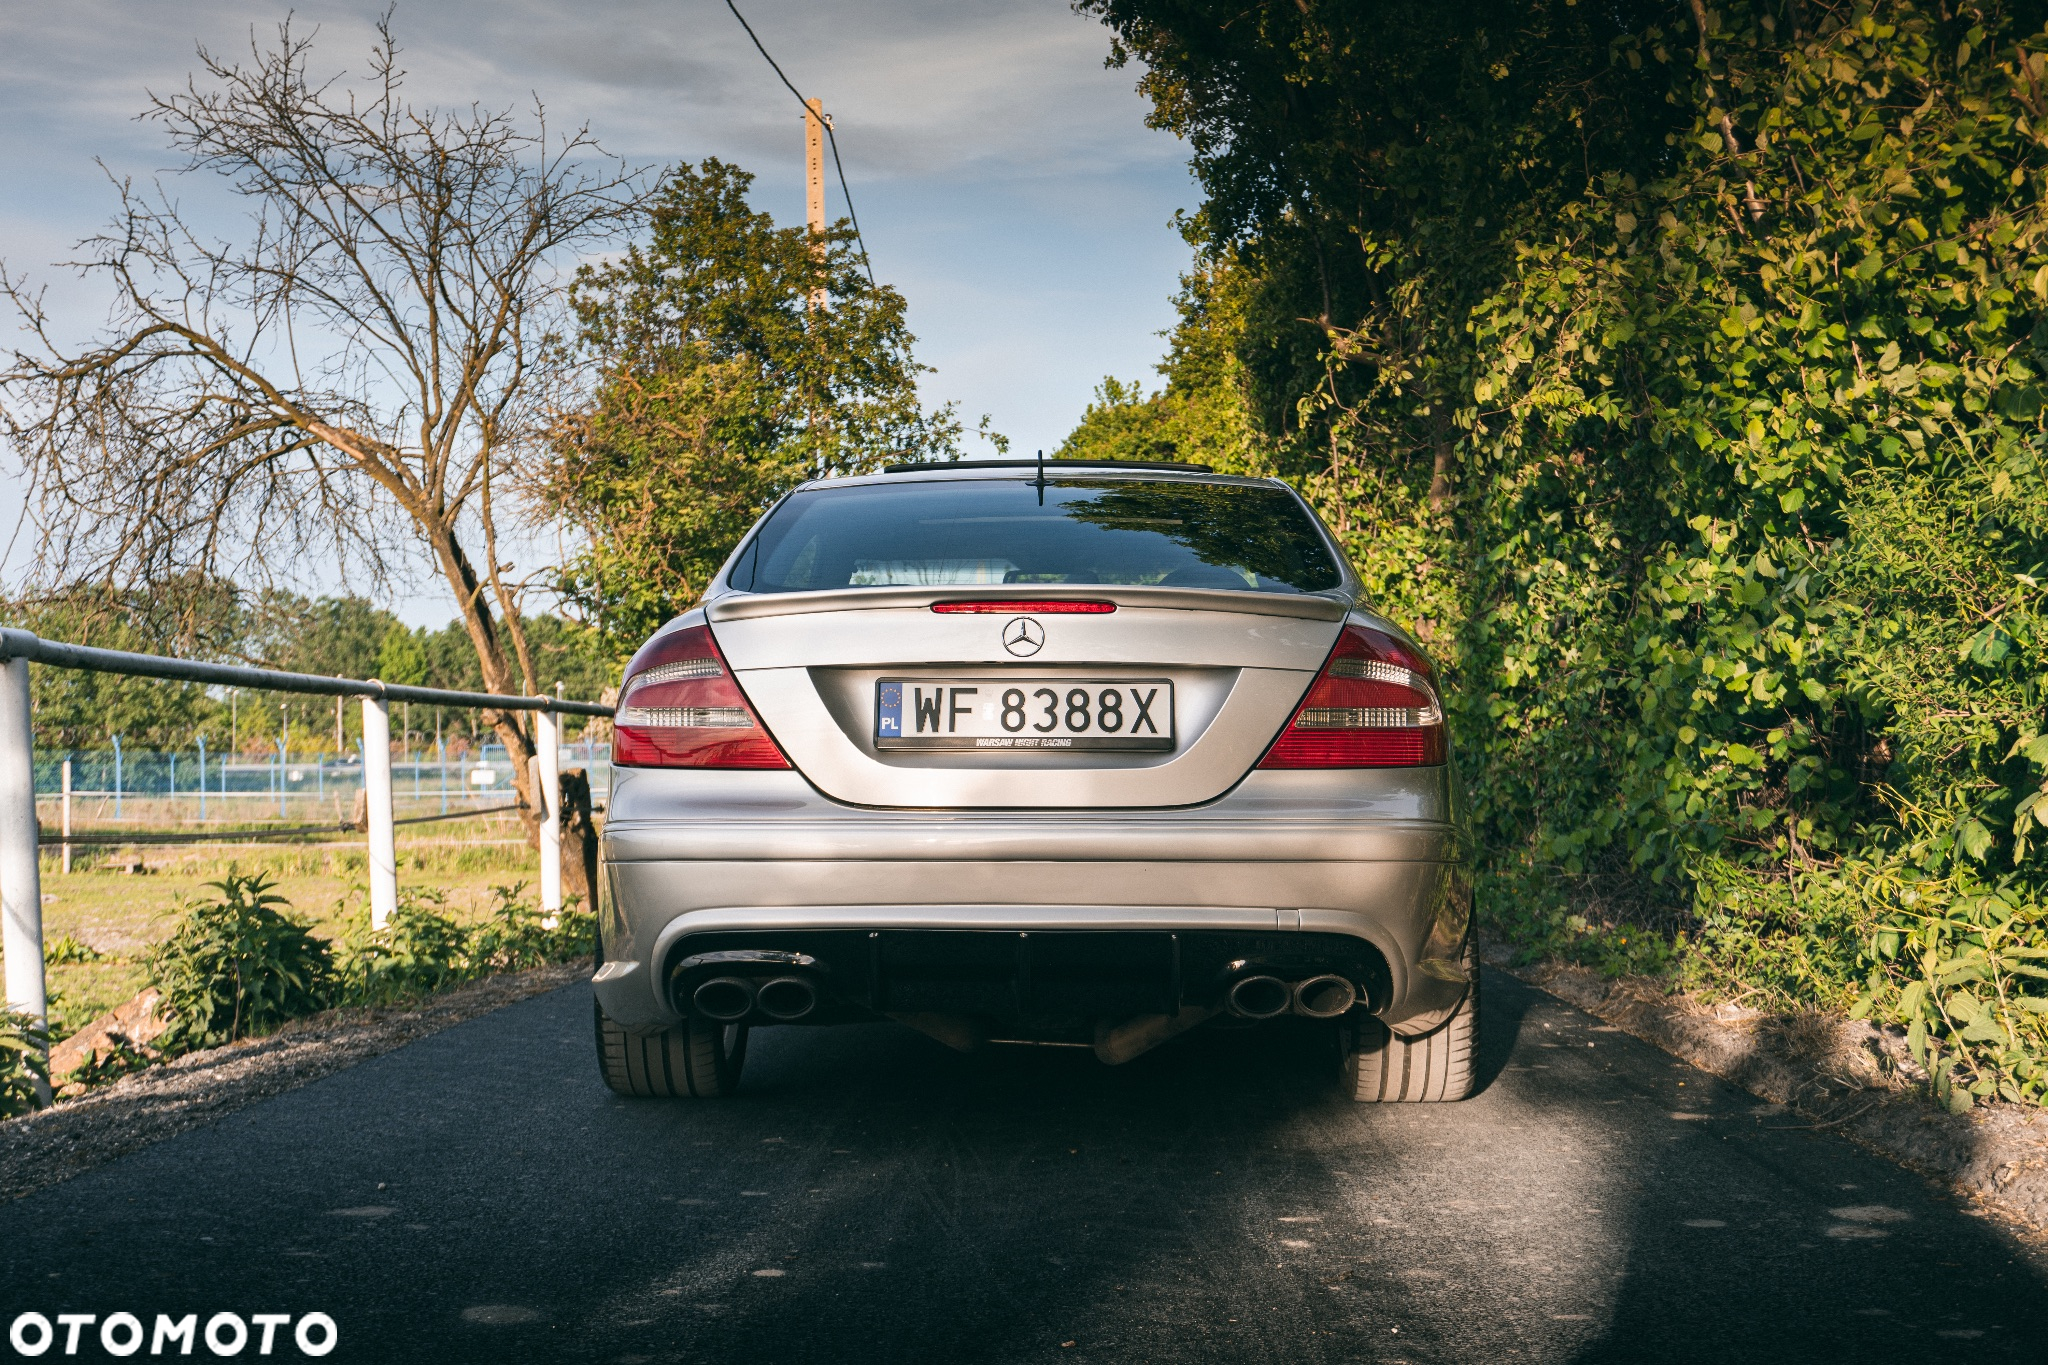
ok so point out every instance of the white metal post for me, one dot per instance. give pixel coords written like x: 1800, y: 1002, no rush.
x: 67, y: 817
x: 21, y: 879
x: 547, y: 732
x: 377, y: 787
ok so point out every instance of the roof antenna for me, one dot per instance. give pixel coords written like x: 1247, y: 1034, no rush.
x: 1041, y: 477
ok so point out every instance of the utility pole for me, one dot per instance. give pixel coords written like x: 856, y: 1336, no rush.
x: 814, y: 185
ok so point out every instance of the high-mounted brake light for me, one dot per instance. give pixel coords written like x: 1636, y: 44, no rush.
x: 1027, y: 606
x: 681, y: 708
x: 1374, y: 705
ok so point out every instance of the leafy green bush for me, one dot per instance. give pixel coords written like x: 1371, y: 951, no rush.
x: 519, y: 935
x: 424, y: 949
x: 235, y: 967
x: 421, y: 950
x: 24, y: 1076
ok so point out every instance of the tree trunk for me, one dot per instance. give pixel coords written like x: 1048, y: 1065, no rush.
x: 579, y: 839
x: 490, y: 655
x: 1440, y: 467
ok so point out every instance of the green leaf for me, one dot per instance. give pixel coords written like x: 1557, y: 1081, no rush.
x: 1988, y: 646
x: 1984, y: 1029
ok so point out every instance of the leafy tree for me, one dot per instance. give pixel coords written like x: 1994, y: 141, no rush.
x: 195, y: 618
x: 1680, y: 372
x: 342, y: 637
x: 1199, y: 415
x: 1123, y: 423
x: 76, y: 709
x: 734, y: 360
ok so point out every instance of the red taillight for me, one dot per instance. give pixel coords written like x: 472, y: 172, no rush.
x: 1374, y: 705
x: 1030, y: 606
x: 680, y: 708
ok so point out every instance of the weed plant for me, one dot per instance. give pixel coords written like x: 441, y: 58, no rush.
x: 70, y: 949
x: 23, y: 1076
x: 421, y: 950
x: 236, y: 966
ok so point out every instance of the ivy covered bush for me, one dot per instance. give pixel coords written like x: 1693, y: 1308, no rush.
x: 1677, y: 371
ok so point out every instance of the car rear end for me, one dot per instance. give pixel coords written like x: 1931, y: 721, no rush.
x: 1090, y: 756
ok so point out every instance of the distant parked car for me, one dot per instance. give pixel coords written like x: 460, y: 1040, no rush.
x: 1082, y: 753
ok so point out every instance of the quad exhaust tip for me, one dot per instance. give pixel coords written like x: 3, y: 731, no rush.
x: 1259, y: 997
x: 1268, y: 997
x: 1324, y: 997
x: 786, y: 998
x: 728, y: 999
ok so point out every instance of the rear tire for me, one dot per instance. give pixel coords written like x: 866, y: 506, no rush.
x: 697, y: 1059
x: 1382, y: 1067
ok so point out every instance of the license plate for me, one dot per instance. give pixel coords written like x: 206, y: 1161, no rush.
x: 1045, y: 713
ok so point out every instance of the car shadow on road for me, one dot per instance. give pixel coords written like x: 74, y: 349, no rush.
x: 1504, y: 1003
x: 1023, y: 1204
x: 1217, y: 1199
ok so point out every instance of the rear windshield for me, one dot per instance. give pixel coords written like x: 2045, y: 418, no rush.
x: 1165, y: 533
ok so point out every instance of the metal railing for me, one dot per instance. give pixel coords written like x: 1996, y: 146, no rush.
x: 21, y: 890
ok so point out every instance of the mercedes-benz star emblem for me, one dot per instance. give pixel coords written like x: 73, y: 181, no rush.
x: 1023, y: 637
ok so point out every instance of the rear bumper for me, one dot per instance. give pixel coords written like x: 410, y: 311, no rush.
x: 1361, y: 872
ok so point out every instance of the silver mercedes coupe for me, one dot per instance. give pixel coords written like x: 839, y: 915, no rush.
x: 1063, y: 752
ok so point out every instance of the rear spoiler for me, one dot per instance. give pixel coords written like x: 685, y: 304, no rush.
x: 746, y: 606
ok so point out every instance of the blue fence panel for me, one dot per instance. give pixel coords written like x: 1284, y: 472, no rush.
x: 480, y: 777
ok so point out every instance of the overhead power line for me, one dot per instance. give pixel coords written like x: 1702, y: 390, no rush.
x: 831, y: 139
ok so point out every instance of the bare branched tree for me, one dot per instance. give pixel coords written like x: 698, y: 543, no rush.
x: 356, y: 375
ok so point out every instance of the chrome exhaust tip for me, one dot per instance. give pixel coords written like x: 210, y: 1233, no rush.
x: 1258, y: 997
x: 1324, y: 997
x: 728, y: 999
x: 786, y: 998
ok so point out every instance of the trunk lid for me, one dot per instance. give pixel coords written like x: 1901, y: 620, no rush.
x: 1235, y: 663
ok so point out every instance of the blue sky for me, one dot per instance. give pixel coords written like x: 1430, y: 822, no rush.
x: 1005, y: 180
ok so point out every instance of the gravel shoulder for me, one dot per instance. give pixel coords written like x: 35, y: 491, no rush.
x: 43, y: 1149
x: 1846, y: 1076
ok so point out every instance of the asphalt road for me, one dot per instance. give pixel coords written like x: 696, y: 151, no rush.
x: 478, y: 1196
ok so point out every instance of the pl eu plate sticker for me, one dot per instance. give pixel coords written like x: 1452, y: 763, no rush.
x: 889, y: 718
